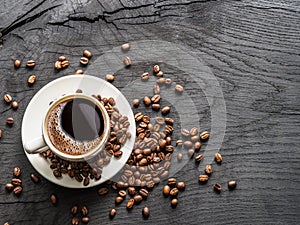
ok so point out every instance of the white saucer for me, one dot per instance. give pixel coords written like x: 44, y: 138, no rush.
x: 32, y: 123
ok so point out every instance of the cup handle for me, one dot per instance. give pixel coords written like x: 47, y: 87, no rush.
x: 36, y: 146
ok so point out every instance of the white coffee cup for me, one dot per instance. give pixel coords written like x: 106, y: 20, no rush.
x: 43, y: 143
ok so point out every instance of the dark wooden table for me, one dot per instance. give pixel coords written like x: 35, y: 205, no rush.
x: 251, y: 47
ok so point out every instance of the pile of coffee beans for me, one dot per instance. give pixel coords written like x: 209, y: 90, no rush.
x: 83, y: 214
x: 172, y: 189
x: 16, y: 183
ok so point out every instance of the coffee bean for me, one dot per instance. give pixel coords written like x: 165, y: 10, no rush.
x: 165, y: 110
x: 156, y: 68
x: 166, y: 190
x: 7, y: 98
x: 146, y: 212
x: 191, y: 152
x: 130, y: 203
x: 198, y: 158
x: 74, y: 210
x: 62, y: 58
x: 14, y: 105
x: 18, y: 190
x: 131, y: 190
x: 156, y: 89
x: 171, y: 182
x: 118, y: 154
x: 17, y: 63
x: 16, y: 181
x: 75, y: 221
x: 218, y: 158
x: 145, y: 76
x: 125, y: 47
x: 85, y: 219
x: 112, y: 213
x: 208, y: 169
x: 138, y: 198
x: 181, y: 185
x: 30, y: 63
x: 65, y: 64
x: 147, y: 101
x: 53, y: 199
x: 155, y: 98
x: 179, y: 89
x: 84, y: 210
x: 31, y: 80
x: 86, y: 181
x: 57, y: 173
x: 122, y: 193
x: 174, y: 192
x: 6, y: 223
x: 17, y: 171
x: 103, y: 191
x: 179, y: 143
x: 34, y: 178
x: 127, y: 61
x: 57, y: 65
x: 231, y: 184
x: 144, y: 193
x: 187, y: 144
x: 1, y: 133
x: 174, y: 202
x: 79, y: 72
x: 185, y: 133
x: 204, y: 135
x: 194, y: 138
x: 203, y: 178
x: 218, y: 188
x: 155, y: 107
x: 84, y: 61
x: 10, y: 121
x: 197, y: 146
x: 110, y: 78
x: 9, y: 187
x: 87, y: 54
x: 161, y: 81
x: 160, y: 74
x: 179, y: 157
x: 119, y: 200
x: 168, y: 82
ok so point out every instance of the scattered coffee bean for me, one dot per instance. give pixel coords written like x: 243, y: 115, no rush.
x: 130, y: 203
x: 194, y: 138
x: 127, y: 61
x: 34, y: 178
x: 16, y: 182
x: 15, y: 105
x: 9, y: 187
x: 53, y: 199
x: 171, y: 182
x: 156, y: 68
x: 122, y: 193
x: 87, y: 54
x: 138, y: 198
x: 103, y: 191
x: 125, y: 47
x: 155, y: 107
x: 74, y: 210
x: 155, y: 98
x: 191, y: 152
x: 181, y: 185
x: 85, y: 219
x: 65, y: 64
x: 10, y: 121
x: 178, y: 88
x: 231, y: 184
x: 1, y: 133
x: 18, y: 190
x: 6, y: 223
x: 168, y: 82
x: 136, y: 102
x: 86, y: 181
x: 185, y: 133
x: 131, y: 190
x: 30, y: 63
x: 208, y: 169
x: 75, y: 221
x: 79, y: 72
x: 110, y: 78
x: 84, y: 61
x: 17, y: 63
x: 197, y: 146
x: 156, y: 89
x: 145, y: 76
x: 17, y: 171
x: 147, y: 101
x: 146, y: 212
x: 112, y: 213
x: 218, y: 188
x: 84, y: 210
x: 144, y: 193
x: 174, y: 202
x: 187, y: 144
x: 218, y: 158
x: 165, y: 110
x: 174, y: 192
x: 204, y: 135
x: 198, y: 158
x: 119, y: 200
x: 62, y: 58
x: 179, y: 143
x: 160, y: 74
x: 179, y: 157
x: 7, y: 98
x: 57, y: 65
x: 166, y: 190
x: 31, y: 80
x: 203, y: 178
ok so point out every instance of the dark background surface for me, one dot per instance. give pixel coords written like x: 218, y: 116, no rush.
x: 252, y: 47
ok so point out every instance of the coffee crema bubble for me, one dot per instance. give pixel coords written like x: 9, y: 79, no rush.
x: 75, y: 126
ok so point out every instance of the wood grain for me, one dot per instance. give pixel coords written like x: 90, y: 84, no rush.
x: 252, y: 47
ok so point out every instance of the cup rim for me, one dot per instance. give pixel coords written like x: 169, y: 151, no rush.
x: 89, y: 154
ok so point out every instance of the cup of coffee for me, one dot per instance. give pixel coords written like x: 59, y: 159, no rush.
x: 75, y: 127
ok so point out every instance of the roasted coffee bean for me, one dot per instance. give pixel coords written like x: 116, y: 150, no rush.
x: 164, y: 174
x: 74, y: 210
x: 187, y: 144
x: 130, y: 203
x: 84, y: 61
x: 31, y: 80
x: 179, y: 157
x: 6, y: 223
x: 10, y: 121
x: 1, y: 133
x: 7, y: 98
x: 197, y: 146
x: 218, y: 188
x: 160, y: 74
x: 204, y: 135
x: 166, y: 190
x: 131, y: 190
x: 179, y: 143
x: 198, y: 158
x: 185, y: 133
x: 181, y: 185
x: 112, y: 213
x: 127, y: 61
x: 62, y: 58
x: 9, y: 187
x: 65, y: 64
x: 118, y: 154
x: 167, y: 164
x: 34, y: 178
x: 155, y: 107
x: 144, y: 193
x: 110, y: 78
x: 75, y: 221
x: 85, y: 219
x: 169, y: 121
x: 14, y: 105
x: 79, y: 72
x: 84, y: 210
x: 155, y: 98
x: 30, y: 63
x: 17, y: 63
x: 174, y: 202
x: 57, y: 65
x: 145, y: 76
x: 171, y: 182
x: 203, y: 178
x: 168, y: 82
x: 125, y: 47
x: 16, y: 181
x: 18, y: 190
x: 87, y: 54
x: 146, y: 119
x: 156, y: 89
x: 231, y: 184
x: 146, y: 212
x: 174, y: 192
x: 86, y: 181
x: 156, y: 68
x: 194, y: 131
x: 161, y: 81
x: 147, y: 101
x: 136, y: 102
x: 208, y: 169
x: 178, y: 88
x: 156, y: 180
x: 191, y: 152
x: 138, y: 198
x: 194, y: 138
x: 119, y: 200
x: 53, y: 199
x: 57, y: 173
x: 165, y: 110
x: 122, y: 193
x: 218, y: 158
x: 17, y: 172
